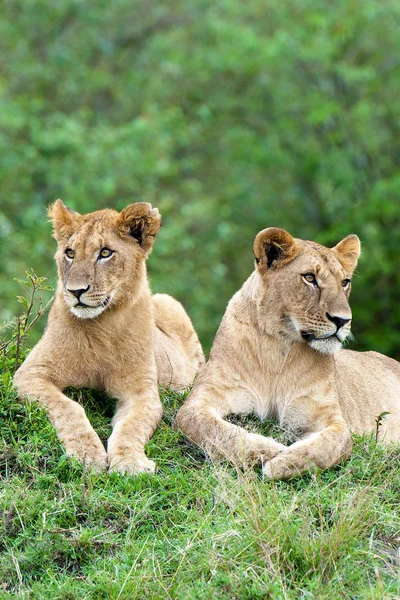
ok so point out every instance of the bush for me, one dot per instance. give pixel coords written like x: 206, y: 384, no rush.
x: 228, y: 116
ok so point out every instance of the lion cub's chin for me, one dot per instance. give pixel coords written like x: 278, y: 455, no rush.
x: 328, y: 346
x: 87, y: 312
x: 90, y: 312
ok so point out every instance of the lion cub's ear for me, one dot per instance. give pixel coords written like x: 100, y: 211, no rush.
x: 142, y: 222
x: 65, y: 220
x: 348, y: 252
x: 273, y: 248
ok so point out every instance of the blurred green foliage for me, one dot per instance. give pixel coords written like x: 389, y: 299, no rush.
x: 229, y: 116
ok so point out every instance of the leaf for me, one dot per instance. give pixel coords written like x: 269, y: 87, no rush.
x: 381, y: 416
x: 22, y: 300
x: 22, y: 282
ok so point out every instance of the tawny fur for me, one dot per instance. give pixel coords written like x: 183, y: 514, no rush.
x: 113, y: 336
x: 276, y: 354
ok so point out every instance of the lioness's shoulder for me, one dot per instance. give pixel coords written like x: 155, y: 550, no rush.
x: 373, y: 362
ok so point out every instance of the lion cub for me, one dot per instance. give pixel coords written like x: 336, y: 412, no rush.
x: 278, y: 353
x: 106, y: 331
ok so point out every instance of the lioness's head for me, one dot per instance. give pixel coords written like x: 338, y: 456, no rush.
x: 309, y: 285
x: 101, y: 255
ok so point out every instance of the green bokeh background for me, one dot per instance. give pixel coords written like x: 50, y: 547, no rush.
x: 228, y: 116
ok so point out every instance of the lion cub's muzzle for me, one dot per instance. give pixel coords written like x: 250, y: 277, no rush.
x: 85, y: 303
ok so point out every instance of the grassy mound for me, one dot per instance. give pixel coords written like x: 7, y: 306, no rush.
x: 194, y: 529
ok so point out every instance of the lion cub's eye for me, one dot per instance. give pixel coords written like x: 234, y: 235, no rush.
x: 69, y: 253
x: 310, y: 278
x: 346, y: 283
x: 106, y: 253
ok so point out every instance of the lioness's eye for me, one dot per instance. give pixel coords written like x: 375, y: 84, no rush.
x: 105, y: 253
x: 310, y: 278
x: 346, y: 282
x: 69, y: 253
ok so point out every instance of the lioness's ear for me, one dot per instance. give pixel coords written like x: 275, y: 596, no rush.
x: 348, y: 252
x: 273, y: 248
x: 64, y: 219
x: 142, y: 222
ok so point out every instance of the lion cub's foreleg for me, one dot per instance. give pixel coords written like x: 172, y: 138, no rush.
x: 67, y: 416
x: 327, y: 442
x: 201, y: 419
x: 138, y: 413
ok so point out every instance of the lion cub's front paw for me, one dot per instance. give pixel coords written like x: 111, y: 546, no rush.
x: 131, y: 465
x: 90, y: 452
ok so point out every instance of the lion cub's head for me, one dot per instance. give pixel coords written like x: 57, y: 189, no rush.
x: 101, y: 255
x: 308, y: 285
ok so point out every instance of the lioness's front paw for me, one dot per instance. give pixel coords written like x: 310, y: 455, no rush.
x: 131, y: 465
x: 260, y: 448
x: 281, y: 467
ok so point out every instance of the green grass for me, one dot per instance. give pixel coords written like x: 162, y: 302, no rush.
x: 194, y: 529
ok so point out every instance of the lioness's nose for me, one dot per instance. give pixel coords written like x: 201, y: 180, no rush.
x: 78, y: 293
x: 339, y: 321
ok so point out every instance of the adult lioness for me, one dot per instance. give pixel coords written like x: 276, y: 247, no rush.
x: 106, y: 331
x: 277, y: 353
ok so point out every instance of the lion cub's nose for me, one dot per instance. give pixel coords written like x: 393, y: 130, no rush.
x: 78, y: 293
x: 339, y: 321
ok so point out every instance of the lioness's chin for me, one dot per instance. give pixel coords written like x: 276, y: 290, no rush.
x: 328, y: 346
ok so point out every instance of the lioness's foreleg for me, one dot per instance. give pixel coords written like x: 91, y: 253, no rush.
x: 328, y: 441
x: 67, y: 416
x: 202, y: 421
x: 138, y: 413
